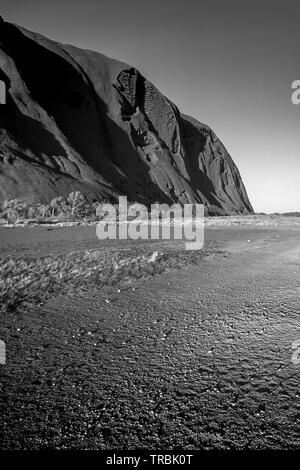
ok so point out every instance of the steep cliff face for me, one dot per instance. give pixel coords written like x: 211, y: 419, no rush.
x: 78, y: 120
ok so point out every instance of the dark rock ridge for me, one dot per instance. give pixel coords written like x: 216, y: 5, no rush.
x: 78, y: 120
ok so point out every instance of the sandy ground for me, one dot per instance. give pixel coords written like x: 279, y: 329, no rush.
x: 199, y: 358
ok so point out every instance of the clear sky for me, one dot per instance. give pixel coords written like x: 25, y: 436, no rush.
x: 230, y: 64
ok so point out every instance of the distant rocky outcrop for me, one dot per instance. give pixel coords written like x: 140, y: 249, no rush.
x: 78, y: 120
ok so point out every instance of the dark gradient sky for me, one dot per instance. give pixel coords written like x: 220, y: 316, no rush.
x: 228, y: 63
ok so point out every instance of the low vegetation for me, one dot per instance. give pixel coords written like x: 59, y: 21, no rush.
x: 74, y: 207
